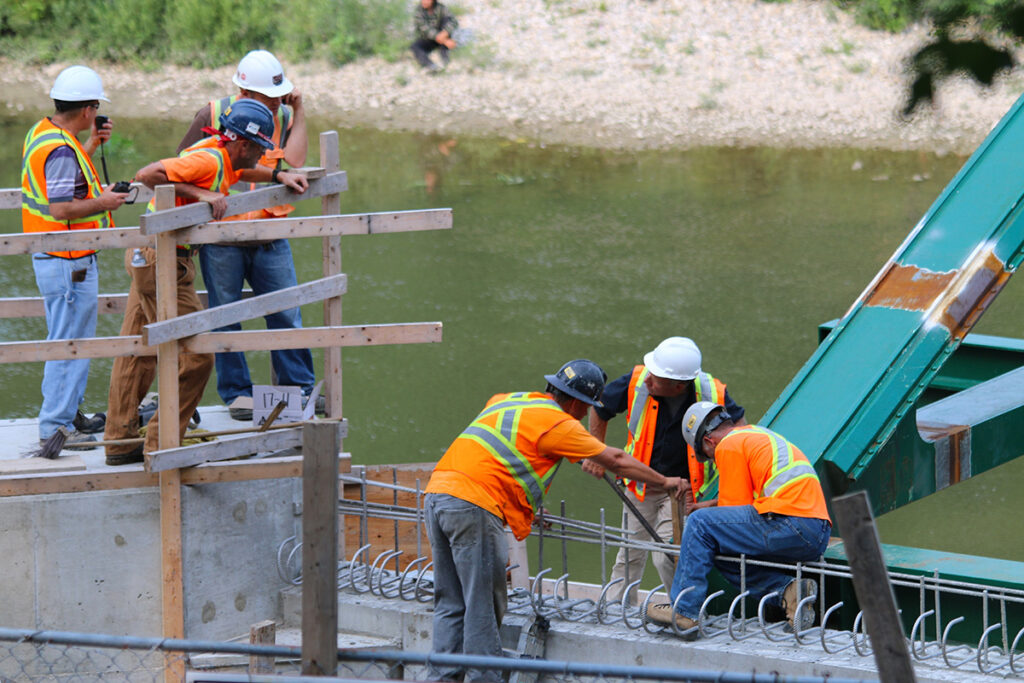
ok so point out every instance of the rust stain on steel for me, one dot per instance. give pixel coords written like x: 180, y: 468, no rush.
x: 982, y: 280
x: 909, y: 288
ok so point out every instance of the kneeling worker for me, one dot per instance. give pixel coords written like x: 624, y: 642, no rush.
x: 496, y: 473
x: 770, y: 507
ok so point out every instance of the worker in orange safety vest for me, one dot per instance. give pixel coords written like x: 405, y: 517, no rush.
x: 770, y: 507
x: 654, y: 397
x: 494, y: 474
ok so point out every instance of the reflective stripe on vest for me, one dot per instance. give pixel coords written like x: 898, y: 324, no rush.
x: 36, y: 216
x: 500, y: 441
x: 637, y: 409
x: 785, y: 468
x: 705, y: 386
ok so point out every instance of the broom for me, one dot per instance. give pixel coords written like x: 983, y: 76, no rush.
x: 52, y: 447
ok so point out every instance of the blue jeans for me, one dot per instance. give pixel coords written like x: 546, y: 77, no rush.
x: 470, y: 593
x: 70, y: 314
x: 740, y: 530
x: 267, y: 268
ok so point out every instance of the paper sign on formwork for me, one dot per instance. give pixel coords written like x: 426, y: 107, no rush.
x: 265, y: 397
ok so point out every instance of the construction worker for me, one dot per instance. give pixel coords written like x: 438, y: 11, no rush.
x: 770, y: 507
x: 266, y: 265
x: 203, y: 173
x: 654, y: 397
x: 495, y: 474
x: 61, y: 190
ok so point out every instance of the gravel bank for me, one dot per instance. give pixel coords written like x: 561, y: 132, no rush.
x: 630, y: 74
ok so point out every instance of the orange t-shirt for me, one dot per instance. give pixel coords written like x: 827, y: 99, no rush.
x: 744, y: 461
x: 200, y: 169
x: 471, y: 472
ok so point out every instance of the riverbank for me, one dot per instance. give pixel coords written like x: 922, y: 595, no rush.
x: 633, y: 74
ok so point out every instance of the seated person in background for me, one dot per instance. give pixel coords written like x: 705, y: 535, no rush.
x: 434, y: 26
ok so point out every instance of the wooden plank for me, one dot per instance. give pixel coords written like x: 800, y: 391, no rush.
x: 215, y: 342
x: 262, y: 633
x: 194, y: 214
x: 331, y: 204
x: 104, y: 238
x: 382, y: 222
x: 320, y: 446
x: 64, y: 463
x: 33, y: 306
x: 239, y: 311
x: 135, y: 476
x: 10, y: 197
x: 871, y: 584
x: 225, y: 449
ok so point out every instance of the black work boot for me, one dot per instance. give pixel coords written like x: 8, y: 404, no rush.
x: 89, y: 425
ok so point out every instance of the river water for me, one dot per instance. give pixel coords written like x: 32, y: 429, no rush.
x: 558, y: 253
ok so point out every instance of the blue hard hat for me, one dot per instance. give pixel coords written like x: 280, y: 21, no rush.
x: 582, y: 379
x: 251, y: 120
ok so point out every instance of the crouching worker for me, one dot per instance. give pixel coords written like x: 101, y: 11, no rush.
x: 770, y: 507
x: 494, y: 474
x: 203, y: 173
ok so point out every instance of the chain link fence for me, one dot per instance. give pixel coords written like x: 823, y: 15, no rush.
x: 62, y: 656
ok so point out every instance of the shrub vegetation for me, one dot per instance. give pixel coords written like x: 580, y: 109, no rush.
x: 202, y: 33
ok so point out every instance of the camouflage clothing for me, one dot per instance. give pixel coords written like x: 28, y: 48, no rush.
x: 429, y: 22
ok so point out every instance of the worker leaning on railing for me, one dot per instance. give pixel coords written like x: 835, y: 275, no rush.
x: 61, y: 190
x: 205, y: 172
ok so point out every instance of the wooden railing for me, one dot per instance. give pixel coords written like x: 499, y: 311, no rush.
x: 173, y: 335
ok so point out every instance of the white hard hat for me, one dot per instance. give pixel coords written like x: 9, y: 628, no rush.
x: 675, y: 358
x: 260, y: 72
x: 78, y: 84
x: 701, y: 418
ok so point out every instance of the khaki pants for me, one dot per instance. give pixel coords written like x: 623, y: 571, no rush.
x: 132, y: 376
x: 657, y: 510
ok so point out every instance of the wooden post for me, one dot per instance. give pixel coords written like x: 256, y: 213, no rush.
x: 170, y: 481
x: 320, y: 445
x: 871, y: 584
x: 330, y: 205
x: 262, y: 633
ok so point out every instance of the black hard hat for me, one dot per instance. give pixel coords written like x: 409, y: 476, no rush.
x: 582, y: 379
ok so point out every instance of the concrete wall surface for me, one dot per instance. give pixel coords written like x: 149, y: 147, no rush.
x: 91, y: 561
x: 614, y: 644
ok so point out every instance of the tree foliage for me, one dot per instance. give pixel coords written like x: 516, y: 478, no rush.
x: 969, y: 37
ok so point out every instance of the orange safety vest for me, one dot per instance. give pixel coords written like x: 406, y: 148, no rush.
x: 642, y: 416
x: 40, y: 141
x: 218, y: 184
x: 282, y: 129
x: 495, y: 463
x: 774, y: 475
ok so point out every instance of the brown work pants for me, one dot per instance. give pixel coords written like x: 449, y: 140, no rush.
x: 132, y: 376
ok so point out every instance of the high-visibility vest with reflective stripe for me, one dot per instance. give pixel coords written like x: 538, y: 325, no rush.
x: 496, y: 463
x: 40, y: 141
x: 499, y: 439
x: 781, y: 478
x: 642, y: 416
x: 218, y: 183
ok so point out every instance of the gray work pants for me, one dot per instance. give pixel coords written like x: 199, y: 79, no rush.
x: 470, y: 592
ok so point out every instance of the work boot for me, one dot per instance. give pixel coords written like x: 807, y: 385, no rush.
x: 241, y: 409
x: 129, y: 458
x: 663, y: 614
x: 75, y: 441
x: 790, y: 599
x: 89, y: 425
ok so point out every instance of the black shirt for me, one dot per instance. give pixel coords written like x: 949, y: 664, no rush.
x: 668, y: 455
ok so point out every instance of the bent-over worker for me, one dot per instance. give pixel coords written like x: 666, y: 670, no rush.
x: 494, y: 474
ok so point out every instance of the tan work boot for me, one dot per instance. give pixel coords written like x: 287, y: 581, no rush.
x: 663, y: 614
x: 790, y: 600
